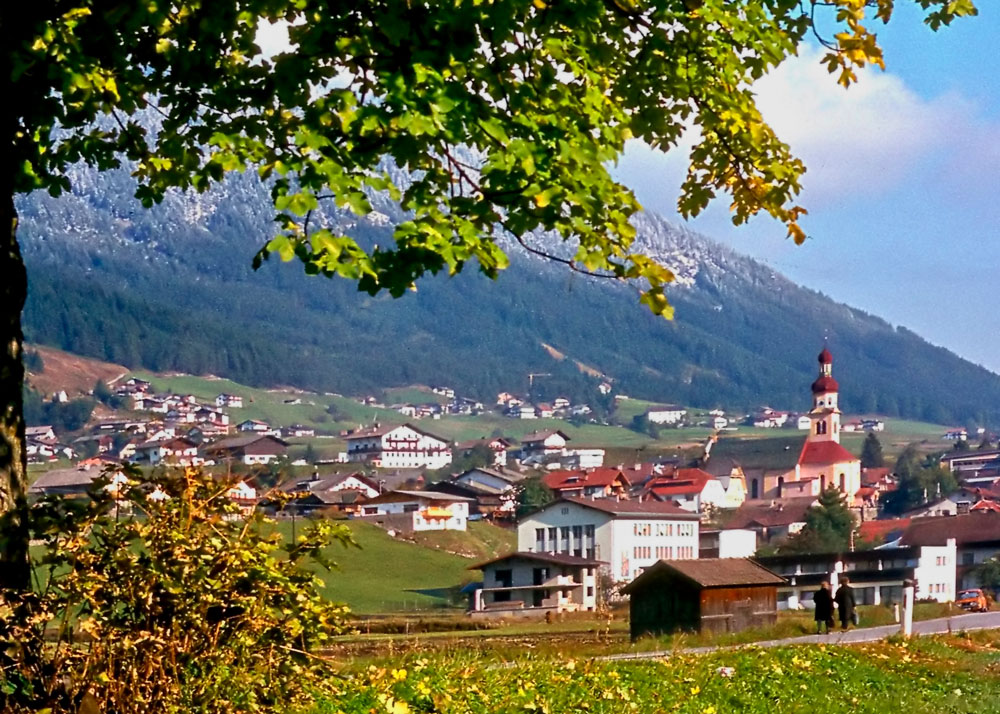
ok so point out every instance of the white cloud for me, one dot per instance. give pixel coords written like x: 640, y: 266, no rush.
x: 868, y: 135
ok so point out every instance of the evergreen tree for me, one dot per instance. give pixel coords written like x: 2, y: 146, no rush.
x: 919, y: 479
x: 988, y: 574
x: 533, y: 494
x: 829, y: 526
x: 871, y: 452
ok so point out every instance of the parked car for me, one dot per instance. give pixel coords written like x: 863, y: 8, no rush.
x: 973, y: 600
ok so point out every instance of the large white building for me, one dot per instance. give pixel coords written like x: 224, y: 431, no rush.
x: 395, y: 447
x: 628, y: 535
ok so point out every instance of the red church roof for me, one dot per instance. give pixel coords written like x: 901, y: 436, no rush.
x: 825, y: 357
x: 825, y: 383
x: 821, y: 453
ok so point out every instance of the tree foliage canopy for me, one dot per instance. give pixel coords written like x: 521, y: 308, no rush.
x: 871, y: 452
x: 506, y: 115
x: 829, y: 526
x: 920, y: 479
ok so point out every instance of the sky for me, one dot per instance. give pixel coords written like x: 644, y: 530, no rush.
x: 902, y: 186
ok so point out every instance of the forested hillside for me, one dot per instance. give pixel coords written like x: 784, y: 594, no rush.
x: 171, y: 289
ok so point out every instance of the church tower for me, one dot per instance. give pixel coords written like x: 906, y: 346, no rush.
x: 825, y: 414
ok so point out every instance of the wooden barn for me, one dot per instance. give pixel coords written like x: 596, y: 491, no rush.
x: 704, y: 595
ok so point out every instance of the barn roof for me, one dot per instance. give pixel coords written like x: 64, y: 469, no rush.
x: 710, y: 573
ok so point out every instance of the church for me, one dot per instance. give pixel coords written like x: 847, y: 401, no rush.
x: 789, y: 467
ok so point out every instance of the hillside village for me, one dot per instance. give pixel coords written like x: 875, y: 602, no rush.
x: 585, y: 528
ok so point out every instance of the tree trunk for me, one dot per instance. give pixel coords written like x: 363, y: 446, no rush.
x: 14, y: 570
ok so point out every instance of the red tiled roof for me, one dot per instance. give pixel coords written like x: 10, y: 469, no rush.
x: 558, y: 480
x: 877, y: 530
x: 683, y: 481
x: 825, y: 384
x: 985, y: 505
x: 823, y: 453
x: 873, y: 474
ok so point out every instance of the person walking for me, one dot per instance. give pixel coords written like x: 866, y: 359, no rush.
x: 845, y: 603
x: 823, y: 613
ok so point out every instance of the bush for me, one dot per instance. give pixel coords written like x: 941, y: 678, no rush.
x: 171, y: 605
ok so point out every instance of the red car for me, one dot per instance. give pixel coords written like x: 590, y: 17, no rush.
x: 973, y: 600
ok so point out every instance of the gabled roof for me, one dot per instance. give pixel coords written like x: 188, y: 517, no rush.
x: 874, y: 474
x: 986, y: 506
x: 552, y: 558
x: 628, y: 508
x: 777, y: 453
x: 602, y: 477
x: 382, y: 430
x: 542, y: 436
x: 978, y: 527
x: 882, y: 530
x: 709, y: 573
x: 782, y: 513
x: 397, y: 496
x: 821, y: 453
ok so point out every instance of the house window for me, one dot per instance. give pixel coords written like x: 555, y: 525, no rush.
x: 564, y: 511
x: 539, y: 540
x: 410, y: 507
x: 968, y: 558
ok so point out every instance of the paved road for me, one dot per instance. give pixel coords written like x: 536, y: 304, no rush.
x: 956, y: 623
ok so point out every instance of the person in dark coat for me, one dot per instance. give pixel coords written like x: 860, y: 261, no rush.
x: 845, y: 603
x: 823, y: 613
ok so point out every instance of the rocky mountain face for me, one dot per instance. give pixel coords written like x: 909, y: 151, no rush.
x: 172, y: 288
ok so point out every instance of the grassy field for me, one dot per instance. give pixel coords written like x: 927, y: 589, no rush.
x: 387, y: 574
x: 946, y: 675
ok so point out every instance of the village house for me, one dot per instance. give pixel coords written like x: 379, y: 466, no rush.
x: 956, y: 435
x: 597, y: 483
x: 393, y: 447
x: 533, y: 585
x: 40, y: 433
x: 628, y: 535
x: 176, y: 451
x: 498, y: 445
x: 550, y: 442
x: 581, y: 459
x: 494, y: 492
x: 957, y: 503
x: 205, y: 414
x: 730, y: 475
x: 976, y: 536
x: 967, y: 464
x: 705, y: 595
x: 776, y: 519
x: 414, y: 511
x: 544, y: 410
x: 73, y: 482
x: 254, y: 426
x: 727, y: 543
x: 250, y: 449
x: 298, y: 431
x: 877, y: 576
x: 522, y: 411
x: 229, y: 401
x: 693, y: 490
x: 668, y: 414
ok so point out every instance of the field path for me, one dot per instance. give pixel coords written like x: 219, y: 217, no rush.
x: 941, y: 625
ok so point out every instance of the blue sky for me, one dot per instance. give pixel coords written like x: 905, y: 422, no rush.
x: 903, y: 181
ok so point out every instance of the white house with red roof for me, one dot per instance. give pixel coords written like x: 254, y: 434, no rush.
x: 596, y: 483
x: 628, y: 535
x: 693, y: 490
x: 395, y: 447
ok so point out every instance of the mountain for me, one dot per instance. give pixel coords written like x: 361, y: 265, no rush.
x: 171, y: 288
